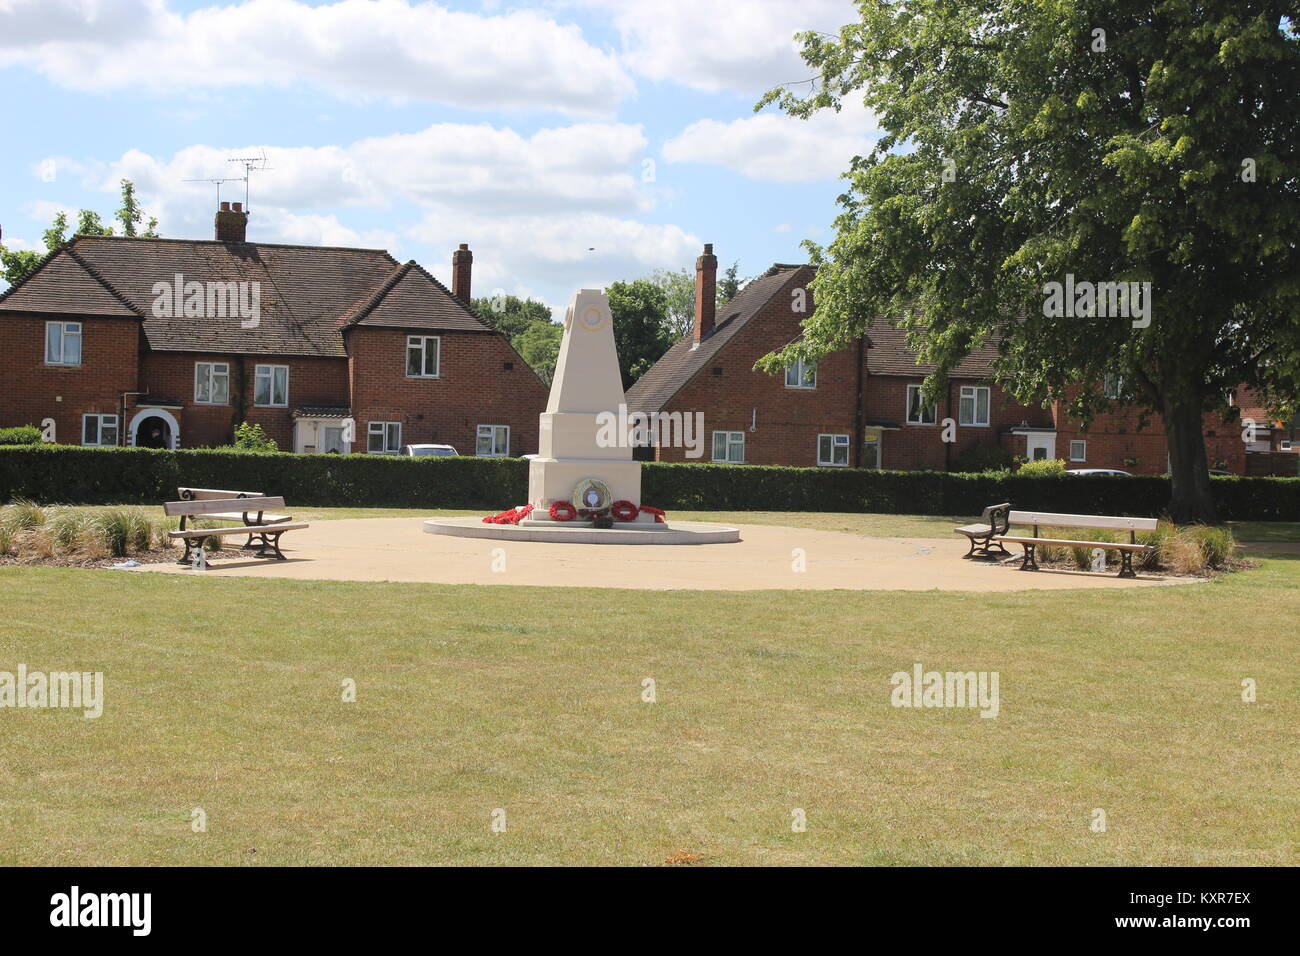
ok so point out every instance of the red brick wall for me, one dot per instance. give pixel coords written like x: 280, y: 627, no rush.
x: 474, y: 388
x: 788, y: 419
x: 30, y: 390
x: 1118, y: 440
x: 312, y: 381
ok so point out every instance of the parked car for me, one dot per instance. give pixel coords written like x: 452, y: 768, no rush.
x: 1220, y: 471
x: 1098, y: 471
x: 422, y: 451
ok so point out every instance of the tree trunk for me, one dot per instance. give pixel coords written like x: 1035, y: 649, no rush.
x: 1185, y: 433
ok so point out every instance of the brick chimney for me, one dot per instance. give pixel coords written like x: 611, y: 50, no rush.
x: 232, y: 223
x: 462, y: 265
x: 706, y: 292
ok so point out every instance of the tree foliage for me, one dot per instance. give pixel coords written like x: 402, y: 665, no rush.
x: 641, y: 332
x: 1105, y: 139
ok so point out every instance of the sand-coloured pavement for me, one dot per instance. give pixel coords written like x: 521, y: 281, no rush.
x: 767, y: 557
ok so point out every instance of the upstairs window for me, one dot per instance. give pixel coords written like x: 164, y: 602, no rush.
x: 1112, y: 386
x: 211, y: 383
x: 974, y: 405
x: 62, y: 343
x: 423, y: 356
x: 271, y: 386
x: 801, y: 374
x: 917, y: 412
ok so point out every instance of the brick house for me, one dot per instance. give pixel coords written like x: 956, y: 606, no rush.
x: 860, y: 407
x: 171, y: 343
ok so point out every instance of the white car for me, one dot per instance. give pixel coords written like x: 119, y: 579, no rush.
x: 424, y: 451
x: 1098, y: 471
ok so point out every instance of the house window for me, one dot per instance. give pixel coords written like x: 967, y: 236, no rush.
x: 917, y: 413
x: 974, y: 405
x: 493, y: 441
x: 1078, y: 450
x: 423, y: 353
x: 729, y: 447
x: 1112, y: 386
x: 833, y: 450
x: 271, y: 386
x: 62, y: 343
x: 384, y: 438
x: 211, y: 383
x: 801, y: 374
x: 99, y: 429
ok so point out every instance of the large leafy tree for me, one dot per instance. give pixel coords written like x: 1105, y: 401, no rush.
x: 641, y: 332
x: 1112, y: 140
x: 18, y: 264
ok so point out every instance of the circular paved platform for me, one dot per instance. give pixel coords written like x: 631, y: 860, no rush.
x: 678, y: 532
x: 767, y: 557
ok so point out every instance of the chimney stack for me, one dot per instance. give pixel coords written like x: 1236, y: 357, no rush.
x: 706, y: 292
x: 232, y: 223
x: 462, y: 265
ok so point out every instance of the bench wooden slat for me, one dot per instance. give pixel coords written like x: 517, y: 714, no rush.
x: 217, y: 505
x: 246, y: 529
x: 1067, y: 543
x: 206, y: 494
x: 1101, y: 522
x: 239, y: 516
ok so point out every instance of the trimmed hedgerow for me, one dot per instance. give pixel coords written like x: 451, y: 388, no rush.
x: 75, y: 475
x: 20, y: 435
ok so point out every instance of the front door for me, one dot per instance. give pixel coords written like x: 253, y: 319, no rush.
x: 871, y: 448
x: 1040, y: 447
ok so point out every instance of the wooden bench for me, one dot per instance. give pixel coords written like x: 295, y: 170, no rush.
x: 217, y: 494
x: 1102, y: 522
x: 250, y: 511
x: 992, y: 522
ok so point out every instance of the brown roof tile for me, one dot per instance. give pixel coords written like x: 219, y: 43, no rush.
x: 305, y: 292
x: 888, y: 354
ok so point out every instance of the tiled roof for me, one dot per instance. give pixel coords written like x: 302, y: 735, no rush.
x: 888, y: 354
x: 306, y: 292
x: 322, y: 411
x: 653, y: 390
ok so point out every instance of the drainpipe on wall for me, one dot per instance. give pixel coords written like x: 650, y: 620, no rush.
x: 121, y: 428
x: 860, y: 413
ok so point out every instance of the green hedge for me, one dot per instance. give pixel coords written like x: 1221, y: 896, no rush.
x: 20, y: 435
x: 75, y: 475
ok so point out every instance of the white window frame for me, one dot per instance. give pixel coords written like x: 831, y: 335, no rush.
x: 835, y: 444
x: 421, y: 342
x: 268, y: 372
x: 213, y: 375
x: 933, y: 409
x: 1083, y: 453
x: 385, y: 431
x: 1112, y: 385
x: 797, y: 374
x: 972, y: 392
x: 491, y: 432
x: 100, y: 422
x: 730, y: 441
x: 1284, y: 445
x: 66, y: 330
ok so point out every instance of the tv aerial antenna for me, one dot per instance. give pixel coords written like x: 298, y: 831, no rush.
x: 251, y: 164
x: 217, y: 182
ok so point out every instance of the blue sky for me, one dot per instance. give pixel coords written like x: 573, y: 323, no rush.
x: 534, y: 131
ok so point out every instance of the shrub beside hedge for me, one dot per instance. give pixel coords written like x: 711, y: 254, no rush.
x: 20, y: 435
x: 75, y: 475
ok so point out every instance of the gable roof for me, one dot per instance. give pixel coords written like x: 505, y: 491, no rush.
x: 681, y: 363
x: 308, y: 294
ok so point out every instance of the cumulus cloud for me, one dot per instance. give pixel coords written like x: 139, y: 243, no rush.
x: 776, y: 147
x: 721, y: 44
x: 516, y: 60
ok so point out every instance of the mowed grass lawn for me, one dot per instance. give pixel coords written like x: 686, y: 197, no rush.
x: 225, y: 695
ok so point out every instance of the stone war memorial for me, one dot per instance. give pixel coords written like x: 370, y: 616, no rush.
x: 584, y: 486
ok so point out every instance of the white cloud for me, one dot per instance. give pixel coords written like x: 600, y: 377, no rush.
x: 520, y: 59
x: 776, y: 147
x: 721, y: 44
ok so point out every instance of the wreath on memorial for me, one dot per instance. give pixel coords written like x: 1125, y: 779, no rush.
x: 513, y: 516
x: 659, y: 515
x: 562, y: 511
x: 624, y: 510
